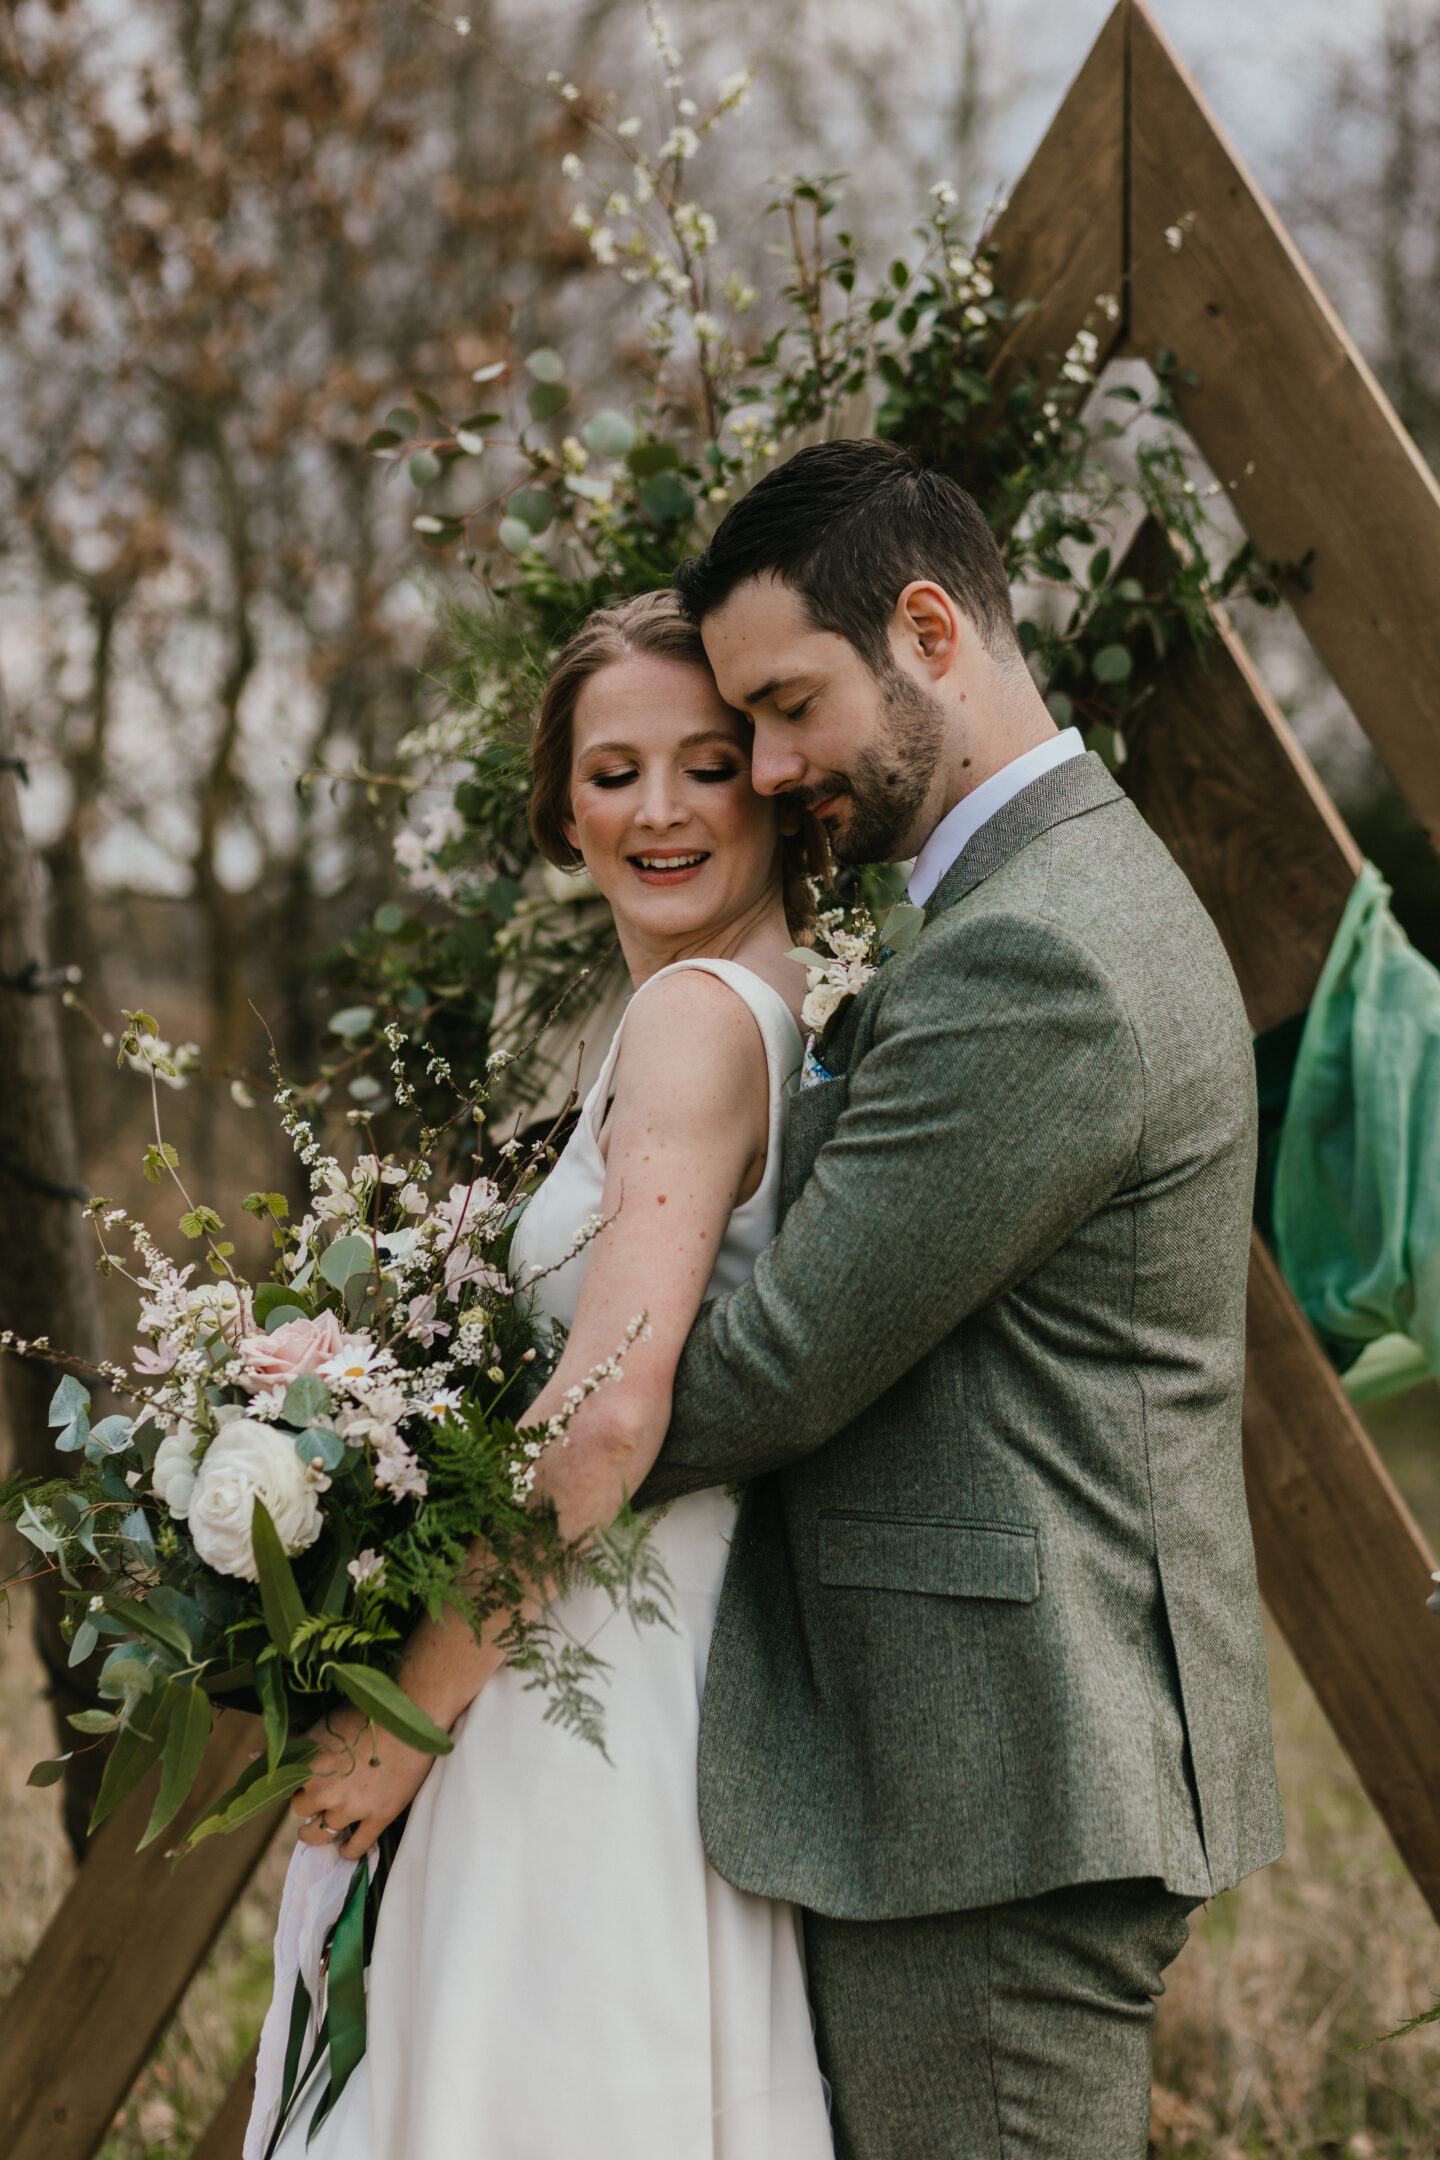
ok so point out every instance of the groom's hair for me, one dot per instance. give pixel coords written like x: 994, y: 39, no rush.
x: 848, y: 525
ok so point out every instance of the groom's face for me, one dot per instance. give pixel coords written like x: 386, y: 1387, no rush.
x: 858, y: 749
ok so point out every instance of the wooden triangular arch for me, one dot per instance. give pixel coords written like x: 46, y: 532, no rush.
x: 1288, y: 411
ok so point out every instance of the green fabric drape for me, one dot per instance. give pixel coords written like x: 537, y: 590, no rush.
x: 1356, y: 1203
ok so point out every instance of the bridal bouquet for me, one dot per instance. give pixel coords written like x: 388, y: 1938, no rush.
x: 303, y: 1467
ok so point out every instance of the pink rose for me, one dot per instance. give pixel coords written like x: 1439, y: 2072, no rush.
x: 295, y: 1347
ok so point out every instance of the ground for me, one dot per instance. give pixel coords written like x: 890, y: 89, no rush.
x: 1261, y: 2043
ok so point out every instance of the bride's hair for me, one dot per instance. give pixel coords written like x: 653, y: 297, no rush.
x: 653, y: 625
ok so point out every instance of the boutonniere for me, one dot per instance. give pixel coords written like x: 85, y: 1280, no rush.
x: 849, y: 947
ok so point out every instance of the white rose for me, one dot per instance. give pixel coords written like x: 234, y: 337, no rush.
x: 247, y: 1462
x: 826, y: 998
x: 173, y: 1475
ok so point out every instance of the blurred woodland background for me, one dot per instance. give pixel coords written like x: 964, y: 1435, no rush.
x: 233, y: 234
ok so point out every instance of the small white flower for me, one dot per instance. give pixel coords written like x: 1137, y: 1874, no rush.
x: 681, y: 143
x: 368, y: 1566
x: 241, y: 1096
x: 602, y: 246
x: 1174, y: 237
x: 943, y: 195
x: 569, y: 92
x: 628, y: 129
x: 571, y: 166
x: 462, y: 26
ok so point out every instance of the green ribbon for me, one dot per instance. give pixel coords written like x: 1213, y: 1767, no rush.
x: 342, y: 2032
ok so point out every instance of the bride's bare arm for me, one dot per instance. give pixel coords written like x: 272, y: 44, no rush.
x: 686, y: 1139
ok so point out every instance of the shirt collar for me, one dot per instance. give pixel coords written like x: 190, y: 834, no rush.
x: 959, y: 826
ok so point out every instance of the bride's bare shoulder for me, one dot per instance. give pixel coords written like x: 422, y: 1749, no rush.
x: 689, y: 1038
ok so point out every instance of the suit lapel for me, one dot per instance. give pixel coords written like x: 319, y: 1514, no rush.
x: 1070, y: 790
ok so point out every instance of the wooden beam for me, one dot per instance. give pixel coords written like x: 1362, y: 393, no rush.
x: 1218, y: 774
x: 1287, y: 412
x: 117, y: 1957
x: 1344, y: 1570
x: 225, y: 2137
x: 1341, y: 1562
x: 1061, y: 236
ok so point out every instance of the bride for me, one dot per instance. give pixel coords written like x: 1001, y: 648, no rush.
x: 556, y: 1967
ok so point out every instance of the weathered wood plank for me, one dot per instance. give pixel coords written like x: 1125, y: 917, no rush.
x: 1061, y: 236
x: 224, y: 2138
x: 115, y: 1960
x: 1288, y: 412
x: 1218, y: 774
x: 1344, y: 1570
x: 1341, y: 1563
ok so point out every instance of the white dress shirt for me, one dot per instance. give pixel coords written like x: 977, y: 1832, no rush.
x: 959, y: 826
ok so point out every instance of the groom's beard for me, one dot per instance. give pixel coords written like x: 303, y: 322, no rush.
x: 890, y: 778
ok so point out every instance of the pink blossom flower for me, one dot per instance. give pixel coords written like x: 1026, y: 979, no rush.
x: 421, y: 1321
x: 295, y: 1347
x: 159, y: 1360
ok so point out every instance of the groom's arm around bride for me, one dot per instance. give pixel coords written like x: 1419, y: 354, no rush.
x: 987, y: 1693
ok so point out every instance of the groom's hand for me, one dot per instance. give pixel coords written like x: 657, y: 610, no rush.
x: 362, y: 1779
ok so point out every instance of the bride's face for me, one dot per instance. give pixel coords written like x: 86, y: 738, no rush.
x: 661, y: 805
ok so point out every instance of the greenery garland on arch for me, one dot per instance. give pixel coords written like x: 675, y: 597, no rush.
x: 556, y: 504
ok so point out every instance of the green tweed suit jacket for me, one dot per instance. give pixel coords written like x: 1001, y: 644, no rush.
x: 990, y: 1623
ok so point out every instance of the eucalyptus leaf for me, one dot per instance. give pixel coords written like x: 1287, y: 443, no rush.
x: 546, y: 366
x: 665, y: 498
x: 424, y: 467
x: 85, y: 1638
x: 69, y: 1401
x: 547, y: 399
x: 111, y: 1436
x: 93, y: 1721
x: 282, y: 1315
x: 902, y: 926
x: 534, y: 507
x: 402, y: 419
x: 652, y: 457
x: 352, y: 1021
x: 75, y: 1436
x: 515, y: 535
x: 608, y: 433
x: 346, y: 1257
x: 321, y: 1441
x: 30, y: 1526
x: 306, y: 1399
x: 1111, y: 664
x: 49, y: 1773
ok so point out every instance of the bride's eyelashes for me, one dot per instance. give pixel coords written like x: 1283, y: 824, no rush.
x: 710, y: 775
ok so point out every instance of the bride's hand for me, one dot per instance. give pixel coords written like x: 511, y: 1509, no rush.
x: 362, y: 1778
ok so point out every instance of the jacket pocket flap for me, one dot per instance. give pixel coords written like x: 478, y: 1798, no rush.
x: 938, y: 1559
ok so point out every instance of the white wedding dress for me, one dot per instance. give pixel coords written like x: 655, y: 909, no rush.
x: 557, y: 1969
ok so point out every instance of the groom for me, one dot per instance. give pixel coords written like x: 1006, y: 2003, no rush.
x: 987, y: 1696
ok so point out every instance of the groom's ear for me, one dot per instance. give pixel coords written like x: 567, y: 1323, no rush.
x: 929, y: 627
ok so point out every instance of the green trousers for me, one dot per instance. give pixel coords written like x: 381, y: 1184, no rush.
x: 1014, y: 2032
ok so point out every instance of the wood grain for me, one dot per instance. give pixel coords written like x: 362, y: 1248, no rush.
x: 224, y: 2138
x: 1216, y: 771
x: 115, y: 1961
x: 1344, y: 1570
x: 1061, y: 236
x: 1288, y: 412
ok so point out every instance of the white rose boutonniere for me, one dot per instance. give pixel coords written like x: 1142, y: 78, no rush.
x: 849, y: 947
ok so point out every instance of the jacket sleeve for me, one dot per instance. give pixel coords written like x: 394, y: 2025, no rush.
x: 999, y: 1104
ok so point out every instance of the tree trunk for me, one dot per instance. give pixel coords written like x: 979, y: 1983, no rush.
x: 47, y: 1275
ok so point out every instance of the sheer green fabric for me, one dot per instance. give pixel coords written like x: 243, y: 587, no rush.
x: 1357, y: 1178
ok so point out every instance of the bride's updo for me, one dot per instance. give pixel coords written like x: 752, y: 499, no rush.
x: 654, y: 626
